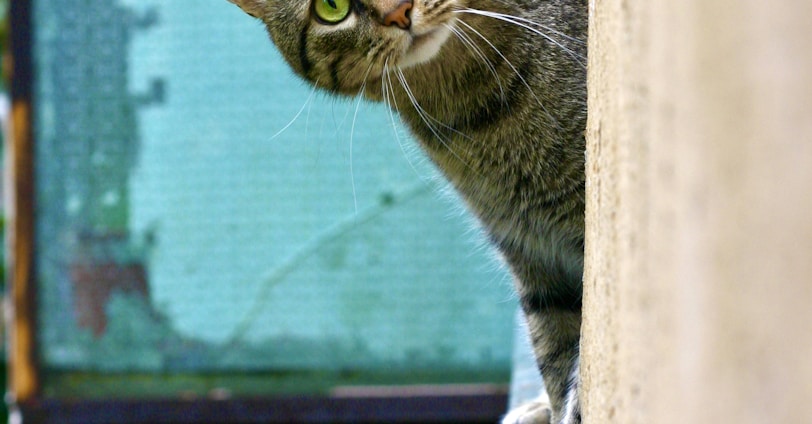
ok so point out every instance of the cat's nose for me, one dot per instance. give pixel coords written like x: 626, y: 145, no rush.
x: 399, y: 15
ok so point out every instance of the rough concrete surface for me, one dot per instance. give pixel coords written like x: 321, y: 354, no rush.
x: 698, y: 285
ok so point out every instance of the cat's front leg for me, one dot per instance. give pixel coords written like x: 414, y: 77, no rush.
x: 539, y: 410
x: 554, y: 322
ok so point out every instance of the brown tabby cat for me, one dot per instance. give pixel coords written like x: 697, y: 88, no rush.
x: 495, y: 92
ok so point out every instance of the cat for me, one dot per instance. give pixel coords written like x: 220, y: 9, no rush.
x: 495, y: 93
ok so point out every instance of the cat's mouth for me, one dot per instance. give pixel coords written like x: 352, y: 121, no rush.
x: 424, y: 46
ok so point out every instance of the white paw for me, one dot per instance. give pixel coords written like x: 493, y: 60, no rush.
x: 535, y: 412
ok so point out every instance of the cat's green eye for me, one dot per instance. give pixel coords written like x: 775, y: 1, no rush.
x: 332, y: 11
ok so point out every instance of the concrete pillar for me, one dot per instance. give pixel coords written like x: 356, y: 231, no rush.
x: 698, y: 285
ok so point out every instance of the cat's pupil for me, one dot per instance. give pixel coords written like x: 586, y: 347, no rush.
x: 332, y: 4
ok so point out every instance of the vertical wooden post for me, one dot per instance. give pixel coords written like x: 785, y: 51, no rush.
x: 698, y: 286
x: 23, y: 375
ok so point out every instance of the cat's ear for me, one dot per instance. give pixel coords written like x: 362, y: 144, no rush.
x: 251, y: 7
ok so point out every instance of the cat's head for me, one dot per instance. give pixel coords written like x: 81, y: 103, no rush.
x: 341, y: 44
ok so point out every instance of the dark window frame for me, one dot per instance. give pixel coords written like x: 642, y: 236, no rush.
x: 480, y: 403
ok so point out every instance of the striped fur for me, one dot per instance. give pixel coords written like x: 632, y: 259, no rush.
x: 495, y: 92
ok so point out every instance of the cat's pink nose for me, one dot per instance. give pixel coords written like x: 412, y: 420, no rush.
x: 399, y: 15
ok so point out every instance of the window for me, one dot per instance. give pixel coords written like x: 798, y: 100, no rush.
x: 210, y: 229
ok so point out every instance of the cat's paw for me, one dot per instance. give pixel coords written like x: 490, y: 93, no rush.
x: 535, y: 412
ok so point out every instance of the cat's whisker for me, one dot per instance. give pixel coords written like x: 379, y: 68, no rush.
x: 298, y: 114
x: 472, y: 46
x: 384, y: 91
x: 307, y: 130
x: 546, y: 28
x: 338, y: 124
x: 427, y: 119
x: 516, y: 71
x: 352, y: 134
x: 389, y: 98
x: 526, y: 24
x: 352, y: 171
x: 422, y: 112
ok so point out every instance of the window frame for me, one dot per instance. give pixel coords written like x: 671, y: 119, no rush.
x: 441, y: 403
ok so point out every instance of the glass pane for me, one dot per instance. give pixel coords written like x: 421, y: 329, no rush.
x: 207, y: 221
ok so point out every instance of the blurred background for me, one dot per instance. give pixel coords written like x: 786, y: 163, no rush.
x: 4, y: 116
x: 208, y: 225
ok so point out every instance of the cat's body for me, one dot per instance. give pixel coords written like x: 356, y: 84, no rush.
x: 495, y: 92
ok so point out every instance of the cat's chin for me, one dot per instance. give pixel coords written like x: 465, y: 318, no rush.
x: 424, y: 47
